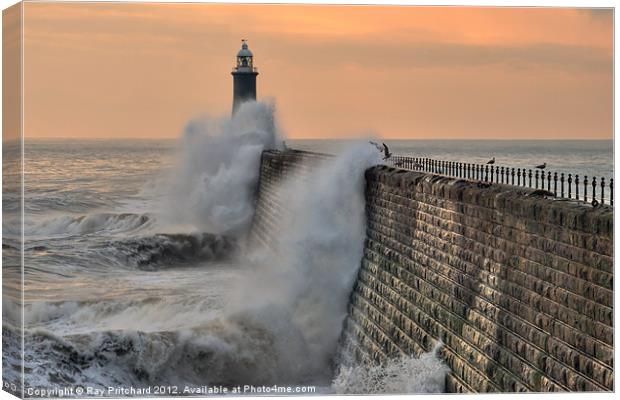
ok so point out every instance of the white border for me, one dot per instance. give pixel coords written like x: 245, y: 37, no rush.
x: 486, y: 3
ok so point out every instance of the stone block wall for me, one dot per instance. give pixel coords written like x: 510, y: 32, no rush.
x: 517, y: 287
x: 275, y: 168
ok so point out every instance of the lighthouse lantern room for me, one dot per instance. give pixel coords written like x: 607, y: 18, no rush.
x: 244, y: 77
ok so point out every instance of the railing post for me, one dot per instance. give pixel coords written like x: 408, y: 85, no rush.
x: 562, y: 184
x: 555, y: 183
x: 611, y: 191
x: 603, y: 190
x: 519, y: 177
x: 529, y: 175
x: 512, y: 174
x: 502, y: 174
x: 549, y: 181
x: 577, y: 187
x: 486, y: 173
x: 536, y: 179
x: 593, y: 188
x: 492, y: 169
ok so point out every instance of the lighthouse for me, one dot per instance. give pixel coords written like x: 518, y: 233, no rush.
x: 244, y: 77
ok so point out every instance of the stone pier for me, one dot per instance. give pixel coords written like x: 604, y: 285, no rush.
x: 517, y: 287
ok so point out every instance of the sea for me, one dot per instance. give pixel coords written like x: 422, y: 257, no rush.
x: 136, y: 275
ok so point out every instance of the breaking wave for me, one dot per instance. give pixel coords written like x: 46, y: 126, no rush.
x: 403, y: 375
x: 213, y: 184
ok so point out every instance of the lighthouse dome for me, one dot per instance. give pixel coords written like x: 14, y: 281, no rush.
x: 244, y: 52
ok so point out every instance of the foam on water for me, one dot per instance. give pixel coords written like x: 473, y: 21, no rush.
x: 403, y: 375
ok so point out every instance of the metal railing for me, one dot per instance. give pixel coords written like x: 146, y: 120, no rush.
x: 569, y: 186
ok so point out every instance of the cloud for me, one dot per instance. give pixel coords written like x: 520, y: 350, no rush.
x: 602, y: 14
x: 373, y: 55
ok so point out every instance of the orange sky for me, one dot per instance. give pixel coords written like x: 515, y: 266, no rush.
x: 143, y: 70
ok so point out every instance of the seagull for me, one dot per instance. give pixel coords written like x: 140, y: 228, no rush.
x: 491, y: 161
x: 386, y: 151
x: 542, y: 166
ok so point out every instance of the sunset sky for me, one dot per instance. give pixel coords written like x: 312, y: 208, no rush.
x: 145, y: 70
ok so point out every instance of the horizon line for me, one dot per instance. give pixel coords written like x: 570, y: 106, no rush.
x: 315, y: 138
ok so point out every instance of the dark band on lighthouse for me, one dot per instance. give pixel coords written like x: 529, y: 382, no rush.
x: 244, y: 77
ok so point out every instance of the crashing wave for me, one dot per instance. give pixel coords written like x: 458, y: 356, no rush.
x: 402, y: 375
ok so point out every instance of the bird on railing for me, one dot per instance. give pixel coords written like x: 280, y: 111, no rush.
x: 491, y: 161
x: 386, y: 151
x: 541, y: 166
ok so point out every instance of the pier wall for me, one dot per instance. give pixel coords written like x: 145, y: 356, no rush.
x: 516, y: 286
